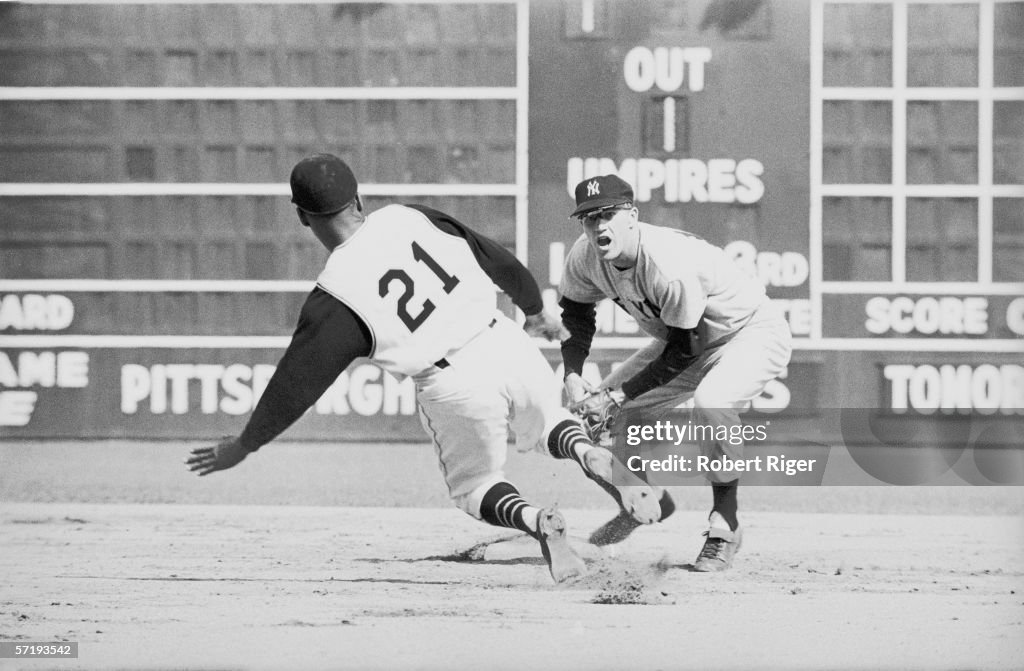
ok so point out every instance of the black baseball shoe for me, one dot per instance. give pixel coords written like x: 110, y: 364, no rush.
x: 563, y: 562
x: 720, y: 546
x: 618, y: 528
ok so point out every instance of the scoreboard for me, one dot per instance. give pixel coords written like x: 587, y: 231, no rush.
x: 865, y: 160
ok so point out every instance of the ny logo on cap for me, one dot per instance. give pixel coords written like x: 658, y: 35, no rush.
x: 593, y: 189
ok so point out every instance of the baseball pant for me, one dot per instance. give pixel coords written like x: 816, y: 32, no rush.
x: 497, y: 383
x: 721, y: 383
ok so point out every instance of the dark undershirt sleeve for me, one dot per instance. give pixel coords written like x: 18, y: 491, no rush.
x: 329, y: 336
x: 580, y: 319
x: 501, y: 266
x: 682, y: 349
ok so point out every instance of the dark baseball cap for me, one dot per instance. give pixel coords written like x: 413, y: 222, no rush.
x: 600, y: 192
x: 322, y: 184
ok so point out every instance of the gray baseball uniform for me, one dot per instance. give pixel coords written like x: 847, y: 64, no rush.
x: 683, y: 281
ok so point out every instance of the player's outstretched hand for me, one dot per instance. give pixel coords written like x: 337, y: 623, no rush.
x: 225, y: 454
x: 545, y: 326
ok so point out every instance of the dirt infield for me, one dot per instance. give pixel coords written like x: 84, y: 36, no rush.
x: 224, y: 586
x: 253, y: 587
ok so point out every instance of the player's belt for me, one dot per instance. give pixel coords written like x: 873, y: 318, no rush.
x: 443, y: 363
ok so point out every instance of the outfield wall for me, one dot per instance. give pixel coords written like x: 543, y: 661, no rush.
x: 864, y: 160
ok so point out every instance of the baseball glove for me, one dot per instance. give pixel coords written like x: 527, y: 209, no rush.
x: 597, y: 413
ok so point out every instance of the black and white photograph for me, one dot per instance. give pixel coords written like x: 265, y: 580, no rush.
x: 511, y: 334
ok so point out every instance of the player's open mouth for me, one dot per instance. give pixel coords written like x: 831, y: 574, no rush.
x: 603, y: 241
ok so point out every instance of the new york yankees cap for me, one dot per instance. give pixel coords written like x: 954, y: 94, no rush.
x: 322, y: 184
x: 599, y: 192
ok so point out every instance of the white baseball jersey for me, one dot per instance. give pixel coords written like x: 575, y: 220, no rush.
x: 420, y: 291
x: 411, y: 286
x: 678, y: 278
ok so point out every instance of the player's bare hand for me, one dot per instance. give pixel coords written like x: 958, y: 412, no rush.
x: 545, y: 326
x: 225, y: 454
x: 576, y: 388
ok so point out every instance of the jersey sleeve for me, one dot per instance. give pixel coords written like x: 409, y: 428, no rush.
x: 681, y: 349
x: 575, y: 283
x: 328, y: 337
x: 580, y: 319
x: 504, y: 269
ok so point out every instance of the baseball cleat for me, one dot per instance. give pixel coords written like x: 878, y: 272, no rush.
x: 637, y: 498
x: 615, y: 530
x: 562, y: 560
x: 618, y: 528
x: 719, y: 548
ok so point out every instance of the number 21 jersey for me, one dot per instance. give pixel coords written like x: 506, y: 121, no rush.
x: 420, y: 290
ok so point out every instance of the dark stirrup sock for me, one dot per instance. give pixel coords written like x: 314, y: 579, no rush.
x: 564, y: 438
x: 726, y: 504
x: 502, y: 506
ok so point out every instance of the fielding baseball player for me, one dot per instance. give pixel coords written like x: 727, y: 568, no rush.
x: 413, y: 289
x: 717, y: 337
